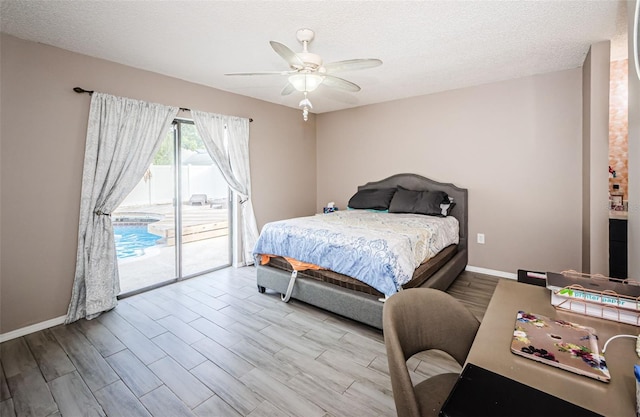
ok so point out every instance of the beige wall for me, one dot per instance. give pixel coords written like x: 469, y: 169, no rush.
x: 516, y: 146
x: 42, y: 133
x: 595, y: 146
x: 586, y: 163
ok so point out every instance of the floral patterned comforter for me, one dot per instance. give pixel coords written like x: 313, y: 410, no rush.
x: 379, y: 249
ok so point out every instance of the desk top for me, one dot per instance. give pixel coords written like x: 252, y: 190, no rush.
x: 492, y: 350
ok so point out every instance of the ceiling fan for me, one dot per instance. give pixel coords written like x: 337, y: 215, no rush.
x: 307, y: 71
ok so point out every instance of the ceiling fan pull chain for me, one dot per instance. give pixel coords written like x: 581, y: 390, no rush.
x: 306, y: 105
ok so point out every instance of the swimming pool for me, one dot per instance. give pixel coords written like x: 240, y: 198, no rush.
x: 132, y: 240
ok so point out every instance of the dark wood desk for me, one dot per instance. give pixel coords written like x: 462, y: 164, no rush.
x: 491, y: 350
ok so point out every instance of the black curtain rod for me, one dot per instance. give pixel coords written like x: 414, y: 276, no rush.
x: 82, y: 90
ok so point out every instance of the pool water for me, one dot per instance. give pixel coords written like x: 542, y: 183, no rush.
x: 132, y: 240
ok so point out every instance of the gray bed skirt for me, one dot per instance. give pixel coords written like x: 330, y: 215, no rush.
x: 358, y: 306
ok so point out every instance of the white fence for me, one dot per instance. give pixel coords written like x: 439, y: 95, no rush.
x: 157, y: 187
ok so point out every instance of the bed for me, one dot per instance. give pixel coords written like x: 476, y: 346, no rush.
x: 351, y: 298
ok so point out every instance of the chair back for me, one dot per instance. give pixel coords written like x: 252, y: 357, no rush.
x: 419, y: 319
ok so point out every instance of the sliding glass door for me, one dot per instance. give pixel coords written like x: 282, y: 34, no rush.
x: 183, y: 190
x: 205, y: 212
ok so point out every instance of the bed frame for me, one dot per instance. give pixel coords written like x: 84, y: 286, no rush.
x: 363, y: 307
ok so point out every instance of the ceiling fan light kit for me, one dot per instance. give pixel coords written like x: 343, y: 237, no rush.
x: 307, y: 72
x: 305, y: 82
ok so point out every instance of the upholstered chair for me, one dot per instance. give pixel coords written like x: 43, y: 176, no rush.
x: 420, y: 319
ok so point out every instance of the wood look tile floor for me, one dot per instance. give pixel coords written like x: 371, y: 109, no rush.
x: 213, y: 346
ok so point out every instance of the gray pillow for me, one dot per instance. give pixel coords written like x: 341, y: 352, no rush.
x: 418, y: 202
x: 373, y: 199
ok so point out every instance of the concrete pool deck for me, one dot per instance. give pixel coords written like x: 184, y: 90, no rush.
x: 158, y: 263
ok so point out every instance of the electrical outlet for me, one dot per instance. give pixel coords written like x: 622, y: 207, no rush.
x: 481, y: 238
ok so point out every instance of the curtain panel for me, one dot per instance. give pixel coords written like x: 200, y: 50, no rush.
x: 232, y: 156
x: 123, y: 135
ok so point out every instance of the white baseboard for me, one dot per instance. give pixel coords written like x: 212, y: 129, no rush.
x: 493, y: 272
x: 32, y: 329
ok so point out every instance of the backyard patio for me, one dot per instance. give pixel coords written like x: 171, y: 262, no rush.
x: 205, y: 243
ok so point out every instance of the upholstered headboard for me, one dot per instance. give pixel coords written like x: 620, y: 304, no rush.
x: 419, y: 183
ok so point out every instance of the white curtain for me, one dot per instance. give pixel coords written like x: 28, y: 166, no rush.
x: 232, y: 156
x: 123, y: 135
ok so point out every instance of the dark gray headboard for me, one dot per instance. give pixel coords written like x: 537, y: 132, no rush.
x: 419, y: 183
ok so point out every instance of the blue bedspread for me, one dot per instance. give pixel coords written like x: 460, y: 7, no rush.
x: 379, y: 249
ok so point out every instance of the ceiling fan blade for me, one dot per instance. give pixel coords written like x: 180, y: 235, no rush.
x: 288, y: 89
x: 340, y: 83
x: 287, y: 54
x: 261, y: 73
x: 352, y: 65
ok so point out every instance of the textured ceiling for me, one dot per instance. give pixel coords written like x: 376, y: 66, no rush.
x: 426, y: 46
